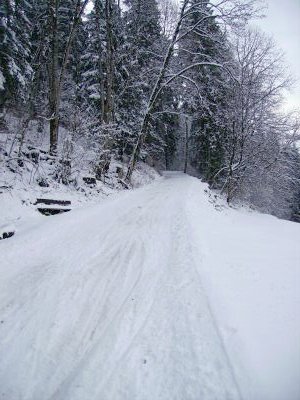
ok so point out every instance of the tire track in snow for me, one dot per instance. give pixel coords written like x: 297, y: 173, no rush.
x: 124, y: 318
x: 137, y: 325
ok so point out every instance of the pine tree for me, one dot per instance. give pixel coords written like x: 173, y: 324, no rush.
x: 142, y: 46
x: 142, y: 51
x: 206, y: 88
x: 92, y: 61
x: 15, y: 51
x: 40, y: 42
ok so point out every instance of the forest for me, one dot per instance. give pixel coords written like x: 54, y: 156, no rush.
x: 149, y: 200
x: 101, y: 85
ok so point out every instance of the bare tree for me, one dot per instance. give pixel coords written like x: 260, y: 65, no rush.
x: 254, y: 131
x: 226, y: 12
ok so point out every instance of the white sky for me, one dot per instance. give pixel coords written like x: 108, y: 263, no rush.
x: 283, y: 23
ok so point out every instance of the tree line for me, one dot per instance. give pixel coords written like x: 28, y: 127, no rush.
x: 185, y: 84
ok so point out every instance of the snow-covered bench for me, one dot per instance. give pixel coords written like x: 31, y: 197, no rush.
x: 52, y: 206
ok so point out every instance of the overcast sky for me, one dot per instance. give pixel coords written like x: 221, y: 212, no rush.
x: 283, y: 22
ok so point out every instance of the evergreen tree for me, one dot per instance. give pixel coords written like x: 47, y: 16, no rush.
x: 141, y: 56
x: 206, y: 88
x: 15, y: 50
x: 92, y: 60
x: 143, y: 49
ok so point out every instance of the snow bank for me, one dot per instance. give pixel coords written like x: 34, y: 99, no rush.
x: 18, y: 192
x: 250, y: 265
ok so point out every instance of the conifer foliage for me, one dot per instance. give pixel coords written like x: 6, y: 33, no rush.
x: 183, y: 85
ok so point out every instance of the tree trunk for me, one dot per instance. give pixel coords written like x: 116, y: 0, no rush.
x: 186, y: 155
x: 100, y: 69
x: 56, y: 76
x: 54, y: 125
x: 53, y: 78
x: 3, y: 126
x: 109, y: 109
x: 154, y: 95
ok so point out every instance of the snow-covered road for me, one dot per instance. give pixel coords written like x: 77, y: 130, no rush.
x: 110, y: 302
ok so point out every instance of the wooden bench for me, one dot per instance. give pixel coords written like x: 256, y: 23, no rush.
x: 52, y: 207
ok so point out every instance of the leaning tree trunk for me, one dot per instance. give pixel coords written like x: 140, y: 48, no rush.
x: 154, y: 95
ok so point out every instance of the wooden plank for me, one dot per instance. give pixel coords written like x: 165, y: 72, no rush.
x: 52, y: 211
x: 50, y: 202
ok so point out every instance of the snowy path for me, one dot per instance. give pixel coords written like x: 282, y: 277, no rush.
x: 108, y: 303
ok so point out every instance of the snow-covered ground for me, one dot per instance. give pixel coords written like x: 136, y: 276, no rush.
x: 158, y: 293
x: 19, y: 192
